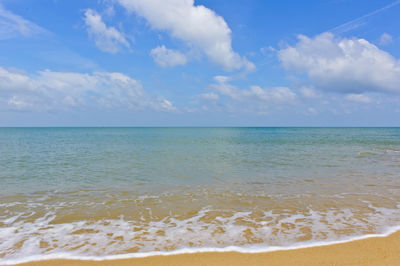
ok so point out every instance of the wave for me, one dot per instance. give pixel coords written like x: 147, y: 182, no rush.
x: 247, y: 249
x: 25, y: 239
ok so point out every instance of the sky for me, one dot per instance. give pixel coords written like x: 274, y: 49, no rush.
x: 199, y: 63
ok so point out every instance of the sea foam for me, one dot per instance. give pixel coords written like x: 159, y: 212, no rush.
x: 241, y: 231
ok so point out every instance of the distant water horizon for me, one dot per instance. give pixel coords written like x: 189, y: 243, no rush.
x: 113, y: 191
x: 199, y: 126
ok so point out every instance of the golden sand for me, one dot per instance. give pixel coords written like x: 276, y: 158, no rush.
x: 370, y: 251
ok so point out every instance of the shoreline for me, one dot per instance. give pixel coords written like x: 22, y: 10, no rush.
x: 368, y: 250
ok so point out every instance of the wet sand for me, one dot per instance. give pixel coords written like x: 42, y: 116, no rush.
x: 370, y: 251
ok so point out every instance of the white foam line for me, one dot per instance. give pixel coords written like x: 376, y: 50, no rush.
x: 249, y: 249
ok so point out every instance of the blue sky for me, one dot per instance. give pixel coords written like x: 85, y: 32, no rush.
x: 199, y: 63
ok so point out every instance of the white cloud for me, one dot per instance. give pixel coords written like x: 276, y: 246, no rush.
x: 255, y: 100
x: 385, y: 39
x: 48, y: 90
x: 278, y: 94
x: 195, y: 25
x: 167, y: 57
x: 107, y: 39
x: 256, y: 93
x: 358, y: 98
x: 12, y: 25
x: 222, y: 79
x: 341, y: 64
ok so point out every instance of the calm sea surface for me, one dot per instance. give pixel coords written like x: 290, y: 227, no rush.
x: 92, y: 192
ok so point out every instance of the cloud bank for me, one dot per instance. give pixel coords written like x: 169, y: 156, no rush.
x: 255, y: 93
x: 48, y: 90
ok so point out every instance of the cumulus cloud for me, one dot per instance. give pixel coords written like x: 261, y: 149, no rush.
x: 107, y: 39
x: 194, y: 24
x: 12, y: 25
x: 48, y: 90
x: 167, y: 57
x: 341, y: 64
x: 225, y: 97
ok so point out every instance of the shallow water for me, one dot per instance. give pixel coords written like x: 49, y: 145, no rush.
x: 107, y: 191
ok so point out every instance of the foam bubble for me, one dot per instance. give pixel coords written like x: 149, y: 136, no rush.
x: 249, y: 249
x: 207, y: 230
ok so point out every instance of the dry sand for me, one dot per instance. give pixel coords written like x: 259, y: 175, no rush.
x: 370, y: 251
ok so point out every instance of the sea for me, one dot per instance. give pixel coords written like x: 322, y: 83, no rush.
x: 106, y: 193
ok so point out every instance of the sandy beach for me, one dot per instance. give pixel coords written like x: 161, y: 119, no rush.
x: 370, y: 251
x: 192, y: 132
x: 162, y: 191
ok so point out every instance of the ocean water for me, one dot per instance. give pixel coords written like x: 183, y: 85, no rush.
x: 107, y: 192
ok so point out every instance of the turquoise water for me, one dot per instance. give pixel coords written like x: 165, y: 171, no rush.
x: 131, y: 190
